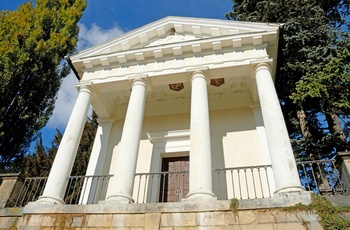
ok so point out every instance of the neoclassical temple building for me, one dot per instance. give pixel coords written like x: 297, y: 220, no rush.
x: 187, y: 110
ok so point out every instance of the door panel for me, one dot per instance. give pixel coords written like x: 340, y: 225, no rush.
x: 175, y: 179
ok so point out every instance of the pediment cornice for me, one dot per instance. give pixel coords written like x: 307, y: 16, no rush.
x: 192, y: 36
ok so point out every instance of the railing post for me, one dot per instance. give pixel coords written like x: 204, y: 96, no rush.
x: 343, y: 165
x: 321, y: 179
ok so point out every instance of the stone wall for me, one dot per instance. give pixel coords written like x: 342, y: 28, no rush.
x: 10, y: 218
x: 218, y: 220
x: 11, y: 184
x: 257, y: 214
x: 251, y: 214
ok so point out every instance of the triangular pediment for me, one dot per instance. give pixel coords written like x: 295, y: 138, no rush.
x: 171, y: 38
x: 186, y: 29
x: 174, y: 36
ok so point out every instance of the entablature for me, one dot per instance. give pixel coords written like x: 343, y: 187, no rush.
x: 174, y: 64
x: 178, y: 50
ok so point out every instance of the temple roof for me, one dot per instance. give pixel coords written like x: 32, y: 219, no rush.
x: 174, y: 36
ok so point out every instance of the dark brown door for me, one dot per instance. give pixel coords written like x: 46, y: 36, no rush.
x: 175, y: 179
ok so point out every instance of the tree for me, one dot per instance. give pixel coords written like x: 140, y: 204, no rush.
x: 33, y: 41
x: 38, y: 163
x: 330, y: 87
x: 311, y: 41
x: 85, y: 146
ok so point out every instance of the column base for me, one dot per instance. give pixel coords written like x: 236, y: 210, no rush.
x: 293, y: 198
x: 120, y: 199
x: 201, y: 194
x: 50, y: 200
x: 290, y: 189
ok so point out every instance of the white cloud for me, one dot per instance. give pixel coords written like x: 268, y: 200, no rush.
x: 66, y: 98
x: 67, y: 94
x: 96, y: 35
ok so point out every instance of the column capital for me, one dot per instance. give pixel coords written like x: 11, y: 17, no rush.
x: 253, y: 106
x: 88, y: 88
x: 199, y: 74
x: 140, y: 81
x: 101, y: 121
x: 261, y: 66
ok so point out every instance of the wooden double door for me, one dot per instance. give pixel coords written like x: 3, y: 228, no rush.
x: 175, y: 179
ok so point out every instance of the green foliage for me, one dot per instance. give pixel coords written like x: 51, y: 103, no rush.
x: 234, y: 205
x: 33, y: 41
x: 38, y: 163
x: 330, y: 85
x: 85, y: 147
x: 332, y: 217
x: 312, y: 79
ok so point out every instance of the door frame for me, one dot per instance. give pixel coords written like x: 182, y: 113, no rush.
x: 175, y: 143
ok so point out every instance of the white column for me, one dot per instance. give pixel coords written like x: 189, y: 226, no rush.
x: 200, y: 147
x: 124, y: 173
x: 260, y: 129
x: 264, y: 148
x: 96, y: 162
x: 62, y: 166
x: 281, y: 153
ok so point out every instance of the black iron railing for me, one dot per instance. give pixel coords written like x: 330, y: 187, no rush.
x: 321, y: 177
x: 244, y: 182
x: 80, y: 189
x: 240, y: 182
x: 251, y: 182
x: 161, y: 187
x: 32, y: 188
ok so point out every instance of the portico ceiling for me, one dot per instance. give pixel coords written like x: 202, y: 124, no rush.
x: 113, y: 97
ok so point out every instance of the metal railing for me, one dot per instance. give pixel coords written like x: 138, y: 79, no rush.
x: 244, y: 182
x: 240, y: 182
x: 32, y: 188
x: 80, y: 189
x: 161, y: 187
x: 86, y: 189
x: 321, y: 177
x: 252, y: 182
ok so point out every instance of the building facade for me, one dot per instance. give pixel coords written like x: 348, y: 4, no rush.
x: 187, y: 110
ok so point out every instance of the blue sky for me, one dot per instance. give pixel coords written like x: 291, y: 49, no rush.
x: 106, y: 19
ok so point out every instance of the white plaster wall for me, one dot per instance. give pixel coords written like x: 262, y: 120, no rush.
x: 234, y: 141
x: 239, y: 137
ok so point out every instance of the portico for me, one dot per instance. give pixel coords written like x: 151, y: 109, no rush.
x: 179, y: 87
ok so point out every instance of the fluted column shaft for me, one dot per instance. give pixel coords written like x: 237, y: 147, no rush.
x: 96, y: 161
x: 282, y: 158
x: 124, y: 173
x: 200, y: 147
x: 62, y: 166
